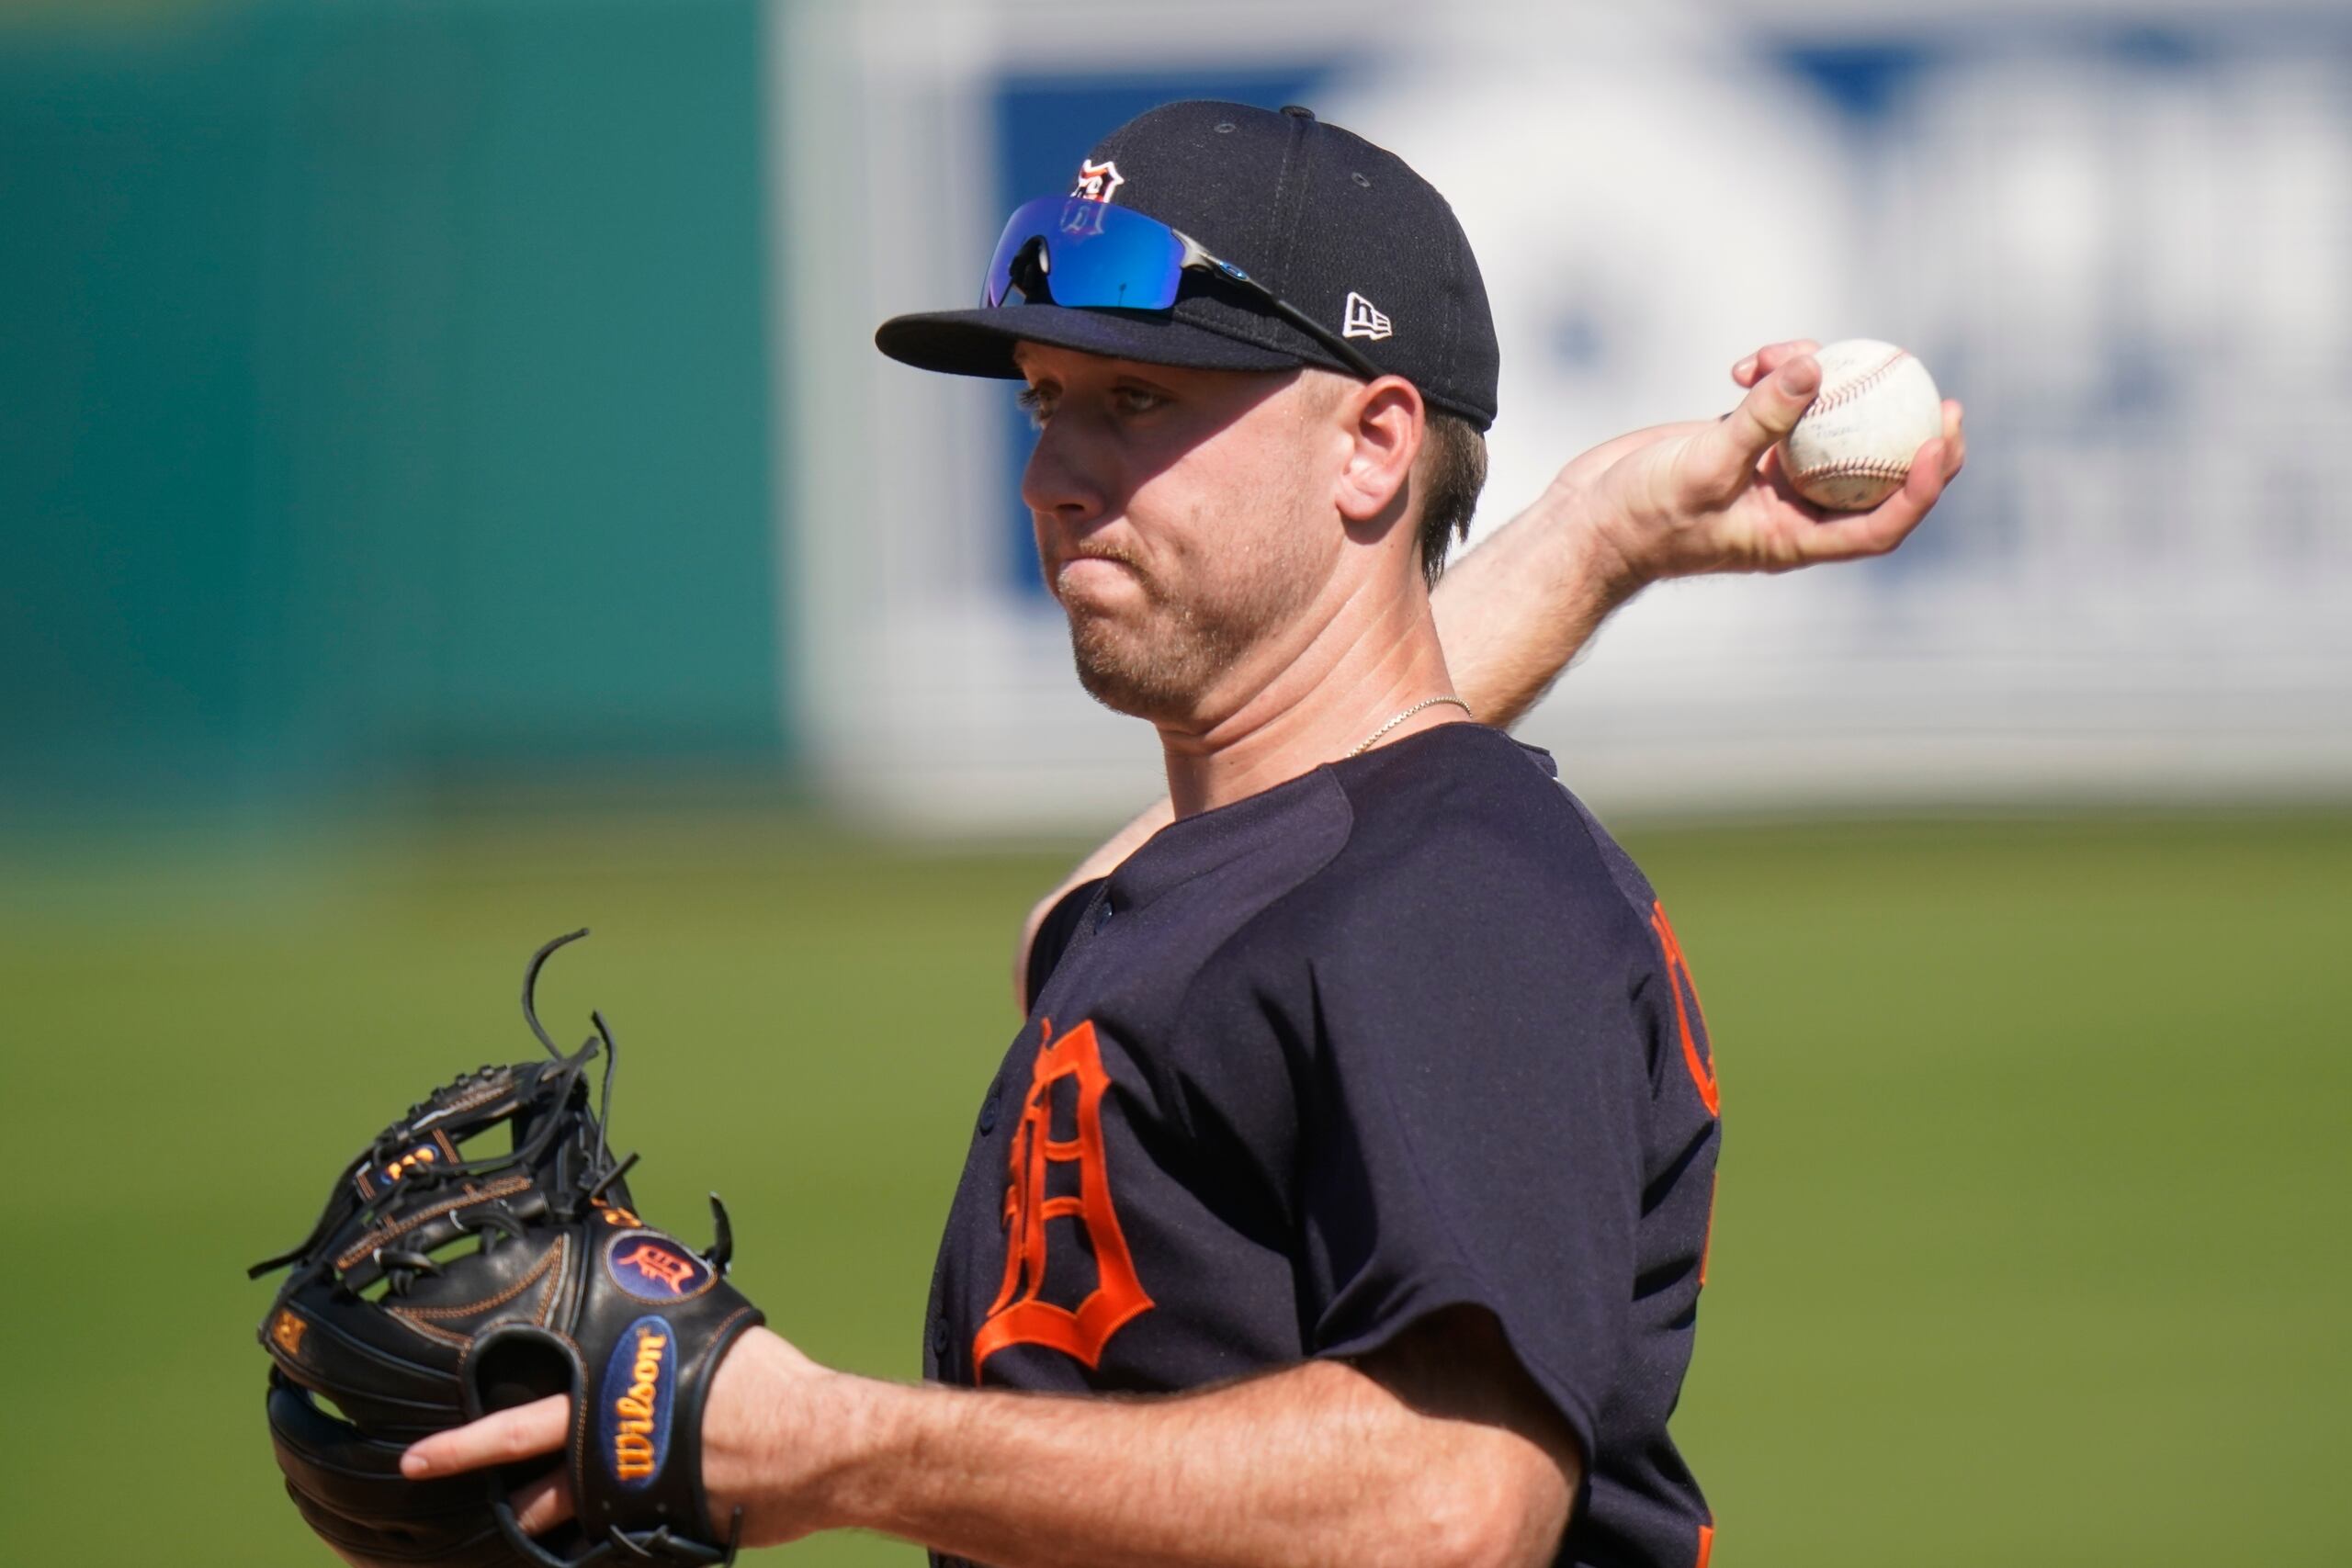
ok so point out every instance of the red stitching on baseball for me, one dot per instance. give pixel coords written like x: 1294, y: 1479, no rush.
x: 1846, y: 392
x: 1872, y: 467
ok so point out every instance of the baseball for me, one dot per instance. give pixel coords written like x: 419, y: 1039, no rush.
x: 1853, y: 448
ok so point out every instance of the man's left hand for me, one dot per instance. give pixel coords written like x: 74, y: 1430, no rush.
x: 762, y: 1446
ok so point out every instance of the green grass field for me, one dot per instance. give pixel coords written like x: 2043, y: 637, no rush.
x: 2031, y: 1246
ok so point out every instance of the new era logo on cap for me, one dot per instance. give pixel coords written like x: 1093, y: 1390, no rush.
x: 1364, y: 319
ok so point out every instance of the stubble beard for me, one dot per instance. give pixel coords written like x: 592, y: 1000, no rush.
x: 1162, y: 665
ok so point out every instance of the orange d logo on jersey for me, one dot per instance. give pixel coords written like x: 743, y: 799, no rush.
x: 1020, y: 1315
x: 1699, y: 1057
x: 1696, y: 1054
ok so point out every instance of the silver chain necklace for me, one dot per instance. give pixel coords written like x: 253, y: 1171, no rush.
x: 1373, y: 739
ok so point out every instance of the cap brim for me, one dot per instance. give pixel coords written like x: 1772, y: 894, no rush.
x: 979, y: 341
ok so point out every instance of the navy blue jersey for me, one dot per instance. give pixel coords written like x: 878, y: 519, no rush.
x: 1406, y: 1032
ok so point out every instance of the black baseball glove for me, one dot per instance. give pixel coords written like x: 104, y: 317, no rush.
x: 456, y: 1273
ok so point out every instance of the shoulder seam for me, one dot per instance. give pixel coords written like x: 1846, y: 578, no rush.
x: 1589, y: 827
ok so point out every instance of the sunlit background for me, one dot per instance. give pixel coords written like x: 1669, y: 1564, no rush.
x: 448, y: 495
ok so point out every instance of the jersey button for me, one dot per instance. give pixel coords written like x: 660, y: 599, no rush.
x: 938, y: 1337
x: 987, y: 1107
x: 1102, y: 915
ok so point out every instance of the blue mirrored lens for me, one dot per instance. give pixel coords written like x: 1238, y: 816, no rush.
x: 1070, y: 251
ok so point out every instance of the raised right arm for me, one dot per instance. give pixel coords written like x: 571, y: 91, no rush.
x: 1681, y: 500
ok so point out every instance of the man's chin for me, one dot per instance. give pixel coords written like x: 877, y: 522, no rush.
x: 1113, y: 693
x: 1121, y: 690
x: 1124, y: 680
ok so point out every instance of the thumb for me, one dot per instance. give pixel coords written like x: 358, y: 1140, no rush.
x: 1770, y: 411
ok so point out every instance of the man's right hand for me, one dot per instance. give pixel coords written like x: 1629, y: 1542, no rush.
x: 1710, y: 496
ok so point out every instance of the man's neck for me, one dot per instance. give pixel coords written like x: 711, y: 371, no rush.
x: 1362, y: 670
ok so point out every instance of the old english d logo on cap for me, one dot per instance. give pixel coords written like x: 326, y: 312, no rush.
x: 1098, y: 182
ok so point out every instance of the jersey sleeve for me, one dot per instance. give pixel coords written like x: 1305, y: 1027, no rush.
x: 1472, y: 1134
x: 1054, y: 936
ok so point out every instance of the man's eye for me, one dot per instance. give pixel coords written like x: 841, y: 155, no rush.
x: 1136, y: 399
x: 1034, y: 403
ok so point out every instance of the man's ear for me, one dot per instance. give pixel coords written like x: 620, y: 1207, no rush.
x: 1382, y: 422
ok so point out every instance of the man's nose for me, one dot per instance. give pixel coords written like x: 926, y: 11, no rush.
x: 1064, y: 477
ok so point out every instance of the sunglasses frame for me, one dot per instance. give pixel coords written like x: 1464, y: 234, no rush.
x: 1194, y: 257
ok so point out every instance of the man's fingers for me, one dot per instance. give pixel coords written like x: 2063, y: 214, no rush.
x: 500, y: 1438
x: 1875, y: 532
x: 543, y: 1505
x: 1770, y: 357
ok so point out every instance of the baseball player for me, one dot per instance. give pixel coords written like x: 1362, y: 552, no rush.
x: 1344, y: 1197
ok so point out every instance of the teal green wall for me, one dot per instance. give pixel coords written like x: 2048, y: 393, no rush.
x: 383, y: 398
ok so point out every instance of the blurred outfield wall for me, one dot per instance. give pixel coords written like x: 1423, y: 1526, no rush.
x: 408, y: 394
x: 2120, y: 233
x: 386, y: 400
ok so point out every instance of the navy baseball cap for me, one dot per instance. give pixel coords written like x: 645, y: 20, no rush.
x: 1341, y: 231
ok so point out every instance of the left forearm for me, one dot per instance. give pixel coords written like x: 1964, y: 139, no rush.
x: 1316, y: 1464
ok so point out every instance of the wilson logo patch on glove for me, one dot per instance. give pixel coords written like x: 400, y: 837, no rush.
x: 655, y: 1269
x: 637, y: 1400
